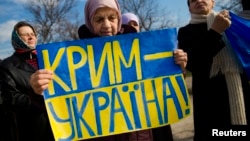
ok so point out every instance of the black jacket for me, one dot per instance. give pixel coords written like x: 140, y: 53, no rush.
x: 26, y: 108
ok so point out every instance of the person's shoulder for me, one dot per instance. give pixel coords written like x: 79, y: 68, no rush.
x: 192, y: 27
x: 187, y: 26
x: 184, y: 28
x: 84, y: 32
x: 127, y: 29
x: 5, y: 61
x: 9, y: 61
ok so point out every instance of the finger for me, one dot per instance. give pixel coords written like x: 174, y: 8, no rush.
x: 40, y: 80
x: 40, y: 88
x: 182, y: 64
x: 225, y: 14
x: 44, y: 71
x: 178, y: 51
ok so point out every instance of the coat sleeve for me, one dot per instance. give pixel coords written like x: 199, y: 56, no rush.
x: 200, y: 45
x: 17, y: 92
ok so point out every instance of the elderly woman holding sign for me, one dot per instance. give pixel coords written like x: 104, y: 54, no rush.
x: 103, y: 18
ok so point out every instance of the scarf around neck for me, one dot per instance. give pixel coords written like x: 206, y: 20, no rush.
x: 197, y: 18
x: 225, y: 60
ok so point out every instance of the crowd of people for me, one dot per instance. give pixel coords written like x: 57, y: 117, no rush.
x: 218, y: 82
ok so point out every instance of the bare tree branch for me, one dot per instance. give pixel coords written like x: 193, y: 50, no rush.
x: 51, y: 18
x: 231, y: 5
x: 150, y: 14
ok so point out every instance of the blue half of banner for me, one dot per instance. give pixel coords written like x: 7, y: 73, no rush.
x: 238, y: 35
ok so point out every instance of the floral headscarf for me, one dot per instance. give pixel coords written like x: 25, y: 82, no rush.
x: 17, y: 42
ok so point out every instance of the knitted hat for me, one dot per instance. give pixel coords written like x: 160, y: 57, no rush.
x: 127, y: 17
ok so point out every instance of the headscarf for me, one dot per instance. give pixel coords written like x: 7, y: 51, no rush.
x: 92, y: 5
x: 16, y: 40
x: 127, y: 17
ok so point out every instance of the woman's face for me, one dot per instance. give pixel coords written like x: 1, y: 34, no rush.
x: 203, y: 7
x: 135, y: 25
x: 105, y: 22
x: 28, y: 36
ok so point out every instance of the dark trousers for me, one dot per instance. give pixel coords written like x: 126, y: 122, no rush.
x: 8, y: 130
x: 163, y: 133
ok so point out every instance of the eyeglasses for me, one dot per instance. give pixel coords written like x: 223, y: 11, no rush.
x: 28, y: 34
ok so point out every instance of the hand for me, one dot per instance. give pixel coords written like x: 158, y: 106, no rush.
x: 40, y: 80
x: 180, y: 58
x: 221, y: 22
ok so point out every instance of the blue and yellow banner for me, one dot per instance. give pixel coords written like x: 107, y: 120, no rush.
x: 238, y: 35
x: 111, y: 85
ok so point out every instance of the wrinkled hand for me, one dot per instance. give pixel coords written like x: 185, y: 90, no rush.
x: 180, y: 57
x: 40, y: 80
x: 221, y: 22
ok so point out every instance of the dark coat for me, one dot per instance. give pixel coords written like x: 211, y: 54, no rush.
x: 26, y: 108
x: 210, y: 95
